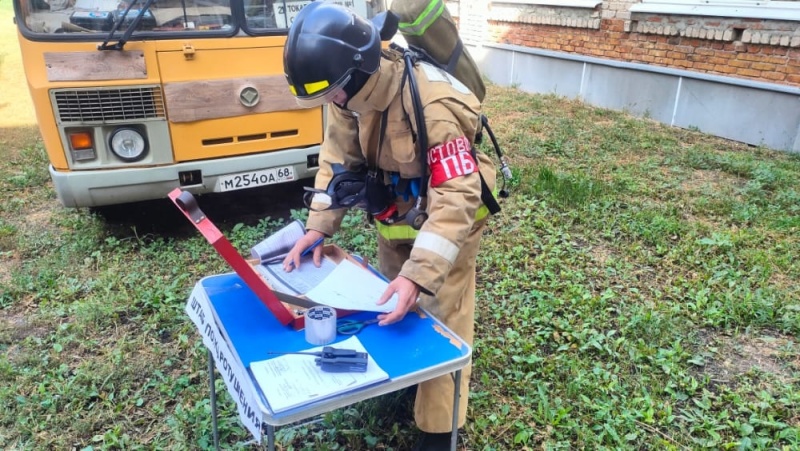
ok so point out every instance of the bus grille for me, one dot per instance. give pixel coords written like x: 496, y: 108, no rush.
x: 104, y: 105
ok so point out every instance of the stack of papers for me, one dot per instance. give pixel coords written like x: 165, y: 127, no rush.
x: 275, y: 247
x: 345, y: 285
x: 352, y: 287
x: 294, y: 380
x: 298, y: 281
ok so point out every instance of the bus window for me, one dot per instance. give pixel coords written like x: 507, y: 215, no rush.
x: 136, y: 97
x: 266, y: 15
x: 99, y: 16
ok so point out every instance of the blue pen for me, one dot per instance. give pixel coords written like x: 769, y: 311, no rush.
x: 313, y: 245
x: 309, y: 249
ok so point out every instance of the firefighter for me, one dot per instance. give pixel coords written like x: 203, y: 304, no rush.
x: 426, y: 203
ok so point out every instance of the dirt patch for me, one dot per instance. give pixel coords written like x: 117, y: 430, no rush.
x: 20, y: 137
x: 737, y: 356
x: 15, y: 327
x: 40, y: 217
x: 709, y: 181
x: 601, y: 254
x: 8, y: 261
x: 630, y: 159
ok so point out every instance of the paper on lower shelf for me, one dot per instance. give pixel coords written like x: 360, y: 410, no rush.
x: 293, y: 380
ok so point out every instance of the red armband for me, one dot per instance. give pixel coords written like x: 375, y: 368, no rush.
x: 451, y: 159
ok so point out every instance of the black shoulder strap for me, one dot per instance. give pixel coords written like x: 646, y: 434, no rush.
x: 487, y: 197
x: 419, y: 118
x: 451, y: 64
x: 373, y: 166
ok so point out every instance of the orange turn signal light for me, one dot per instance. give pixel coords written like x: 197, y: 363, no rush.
x: 81, y: 140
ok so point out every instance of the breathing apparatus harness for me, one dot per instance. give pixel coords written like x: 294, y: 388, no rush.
x: 421, y: 54
x: 365, y: 187
x: 410, y: 57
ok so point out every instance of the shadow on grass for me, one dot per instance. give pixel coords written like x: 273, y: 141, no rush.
x: 224, y: 209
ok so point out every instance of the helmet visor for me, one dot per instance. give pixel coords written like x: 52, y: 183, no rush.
x: 324, y: 95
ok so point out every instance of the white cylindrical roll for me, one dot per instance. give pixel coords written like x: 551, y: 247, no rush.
x: 320, y: 325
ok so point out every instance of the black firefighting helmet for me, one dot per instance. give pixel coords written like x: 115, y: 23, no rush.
x: 326, y: 45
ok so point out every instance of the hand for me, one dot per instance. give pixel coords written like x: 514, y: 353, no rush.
x: 292, y: 259
x: 407, y: 294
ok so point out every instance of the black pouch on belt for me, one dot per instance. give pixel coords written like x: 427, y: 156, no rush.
x: 380, y: 196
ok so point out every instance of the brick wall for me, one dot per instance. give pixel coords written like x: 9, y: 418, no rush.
x: 755, y: 49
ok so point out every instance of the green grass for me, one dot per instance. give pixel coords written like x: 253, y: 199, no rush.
x: 638, y: 291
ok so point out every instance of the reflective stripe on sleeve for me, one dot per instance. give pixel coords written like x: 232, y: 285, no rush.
x: 437, y: 244
x: 432, y: 12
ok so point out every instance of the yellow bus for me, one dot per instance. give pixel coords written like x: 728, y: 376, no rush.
x: 137, y: 97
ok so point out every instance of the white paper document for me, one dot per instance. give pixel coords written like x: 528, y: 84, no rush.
x: 293, y: 380
x: 299, y: 280
x: 352, y: 287
x: 275, y: 247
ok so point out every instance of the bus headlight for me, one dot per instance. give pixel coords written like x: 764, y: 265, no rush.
x: 128, y: 144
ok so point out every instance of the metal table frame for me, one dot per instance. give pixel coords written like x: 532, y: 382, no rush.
x: 270, y: 428
x: 430, y: 350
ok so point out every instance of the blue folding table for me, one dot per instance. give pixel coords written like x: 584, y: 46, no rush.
x: 232, y: 319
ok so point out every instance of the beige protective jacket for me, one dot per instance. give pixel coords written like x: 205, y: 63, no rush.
x: 454, y: 191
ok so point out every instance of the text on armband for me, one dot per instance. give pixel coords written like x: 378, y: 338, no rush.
x: 451, y: 159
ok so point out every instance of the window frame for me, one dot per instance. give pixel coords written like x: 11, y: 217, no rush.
x: 565, y: 3
x: 745, y: 9
x: 20, y: 16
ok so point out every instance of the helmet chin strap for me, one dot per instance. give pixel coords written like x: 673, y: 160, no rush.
x: 357, y: 81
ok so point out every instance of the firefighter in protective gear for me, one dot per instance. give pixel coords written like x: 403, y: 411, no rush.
x: 333, y: 55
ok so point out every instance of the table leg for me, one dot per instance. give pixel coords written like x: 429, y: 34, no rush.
x: 456, y: 401
x: 213, y: 391
x: 270, y: 437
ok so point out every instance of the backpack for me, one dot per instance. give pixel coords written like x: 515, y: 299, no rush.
x: 428, y: 28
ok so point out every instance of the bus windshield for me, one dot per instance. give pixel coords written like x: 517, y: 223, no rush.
x: 162, y: 19
x: 136, y: 97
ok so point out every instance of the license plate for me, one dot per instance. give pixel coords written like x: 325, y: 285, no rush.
x: 253, y: 179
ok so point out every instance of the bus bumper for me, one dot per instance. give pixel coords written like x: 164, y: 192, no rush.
x: 120, y: 185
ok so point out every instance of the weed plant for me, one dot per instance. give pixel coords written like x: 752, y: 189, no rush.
x: 638, y: 291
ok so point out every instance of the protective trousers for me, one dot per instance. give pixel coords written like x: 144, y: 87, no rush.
x: 454, y: 305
